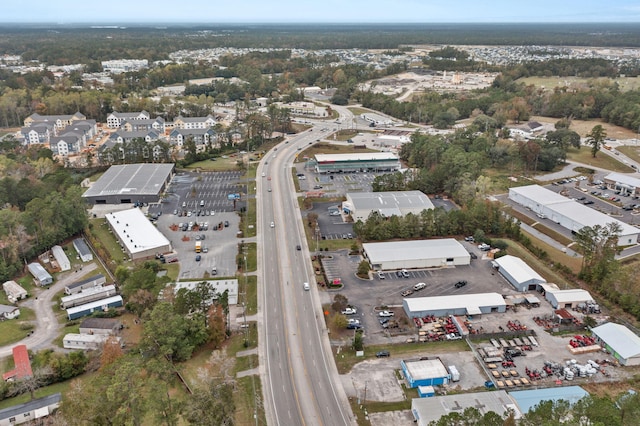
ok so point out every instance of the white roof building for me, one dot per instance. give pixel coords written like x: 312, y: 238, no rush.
x: 459, y: 304
x: 620, y: 341
x: 569, y: 298
x: 518, y: 273
x: 14, y: 291
x: 416, y: 254
x: 568, y: 213
x: 138, y: 236
x: 61, y: 258
x: 393, y: 203
x: 358, y: 161
x: 620, y: 181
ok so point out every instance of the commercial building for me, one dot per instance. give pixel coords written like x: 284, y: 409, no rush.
x: 219, y: 286
x: 518, y: 273
x: 130, y: 183
x: 425, y: 372
x: 40, y: 275
x: 460, y: 304
x: 416, y: 254
x: 95, y: 281
x: 136, y: 234
x: 83, y: 250
x: 623, y: 343
x: 626, y: 184
x: 85, y: 341
x: 568, y: 213
x: 30, y: 411
x: 9, y: 312
x: 97, y: 306
x: 22, y: 365
x: 357, y: 162
x: 394, y: 203
x: 570, y: 298
x: 61, y: 258
x: 100, y: 326
x: 528, y: 399
x: 14, y: 291
x: 427, y: 410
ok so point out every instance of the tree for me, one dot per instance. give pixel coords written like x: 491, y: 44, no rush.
x: 599, y: 245
x: 340, y: 302
x: 217, y: 325
x: 595, y: 138
x: 358, y: 341
x: 111, y: 351
x: 211, y: 405
x: 363, y: 269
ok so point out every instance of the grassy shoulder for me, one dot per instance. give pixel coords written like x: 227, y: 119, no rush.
x: 601, y: 160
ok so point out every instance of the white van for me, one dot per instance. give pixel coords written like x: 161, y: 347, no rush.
x: 306, y: 286
x: 201, y: 203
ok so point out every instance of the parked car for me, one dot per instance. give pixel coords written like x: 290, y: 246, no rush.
x: 453, y: 336
x: 473, y: 255
x: 405, y: 273
x: 354, y: 326
x: 354, y: 321
x: 298, y: 247
x: 407, y: 293
x: 349, y: 311
x: 198, y: 258
x: 383, y: 354
x: 484, y: 247
x: 381, y: 275
x: 419, y: 286
x: 273, y: 225
x: 399, y: 274
x: 587, y: 202
x: 470, y: 239
x: 385, y: 314
x: 460, y: 284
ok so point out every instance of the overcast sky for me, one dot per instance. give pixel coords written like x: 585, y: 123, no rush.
x: 292, y: 11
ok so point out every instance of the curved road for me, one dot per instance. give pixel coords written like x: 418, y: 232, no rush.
x: 300, y: 380
x: 47, y: 326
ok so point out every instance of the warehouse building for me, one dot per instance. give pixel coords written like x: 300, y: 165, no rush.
x: 415, y: 254
x: 394, y: 203
x: 219, y: 286
x: 518, y: 273
x: 94, y: 281
x: 626, y: 184
x: 568, y: 213
x: 425, y: 372
x: 357, y: 162
x: 14, y: 291
x: 461, y: 304
x: 528, y: 399
x: 623, y: 343
x: 97, y: 306
x: 570, y: 298
x: 61, y: 258
x: 40, y: 275
x: 130, y: 183
x: 427, y: 410
x: 83, y: 250
x: 137, y: 235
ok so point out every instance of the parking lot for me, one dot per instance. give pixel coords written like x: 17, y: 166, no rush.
x: 335, y: 183
x: 205, y: 199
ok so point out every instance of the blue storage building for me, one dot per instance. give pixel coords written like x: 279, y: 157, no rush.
x: 425, y: 372
x: 97, y: 306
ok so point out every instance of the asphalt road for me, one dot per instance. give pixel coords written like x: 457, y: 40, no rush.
x: 301, y: 383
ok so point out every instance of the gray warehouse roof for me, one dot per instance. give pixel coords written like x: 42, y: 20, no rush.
x: 620, y: 338
x: 431, y: 409
x: 390, y: 200
x: 413, y: 250
x: 131, y: 179
x: 358, y: 156
x: 518, y: 269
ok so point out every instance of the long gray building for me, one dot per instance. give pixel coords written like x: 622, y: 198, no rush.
x: 416, y: 254
x: 130, y: 183
x: 392, y: 203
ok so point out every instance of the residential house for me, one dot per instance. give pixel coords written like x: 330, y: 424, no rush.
x: 145, y: 124
x: 61, y: 258
x: 8, y: 312
x: 95, y: 281
x: 201, y: 137
x: 40, y: 275
x: 83, y: 249
x: 121, y: 136
x: 181, y: 122
x: 115, y: 119
x: 30, y: 411
x: 38, y: 133
x: 66, y: 145
x: 22, y: 365
x: 84, y: 341
x: 59, y: 121
x: 14, y: 291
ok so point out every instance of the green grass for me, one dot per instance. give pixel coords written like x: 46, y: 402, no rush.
x: 219, y: 165
x: 40, y: 393
x: 14, y: 330
x: 359, y: 110
x: 602, y: 160
x: 248, y: 399
x: 553, y: 234
x: 100, y: 230
x: 244, y: 363
x: 248, y: 221
x: 252, y: 257
x: 543, y: 267
x: 549, y: 83
x: 632, y: 152
x: 251, y: 294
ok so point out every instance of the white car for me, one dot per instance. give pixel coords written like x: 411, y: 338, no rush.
x: 263, y: 174
x: 453, y: 336
x: 385, y: 314
x: 273, y: 225
x: 349, y: 311
x: 419, y: 286
x: 354, y: 321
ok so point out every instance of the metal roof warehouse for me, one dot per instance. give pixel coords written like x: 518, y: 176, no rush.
x: 416, y: 254
x: 399, y: 203
x: 460, y: 304
x: 138, y: 236
x: 620, y: 341
x: 130, y: 183
x: 518, y: 273
x: 365, y: 161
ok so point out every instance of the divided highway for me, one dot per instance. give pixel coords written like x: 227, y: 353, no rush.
x: 300, y: 381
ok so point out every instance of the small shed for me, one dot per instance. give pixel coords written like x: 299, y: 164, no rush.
x: 14, y: 291
x: 97, y: 306
x: 40, y: 275
x: 425, y: 372
x: 61, y: 258
x: 9, y: 312
x: 518, y: 273
x: 83, y: 249
x: 426, y: 391
x: 30, y: 411
x: 623, y: 343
